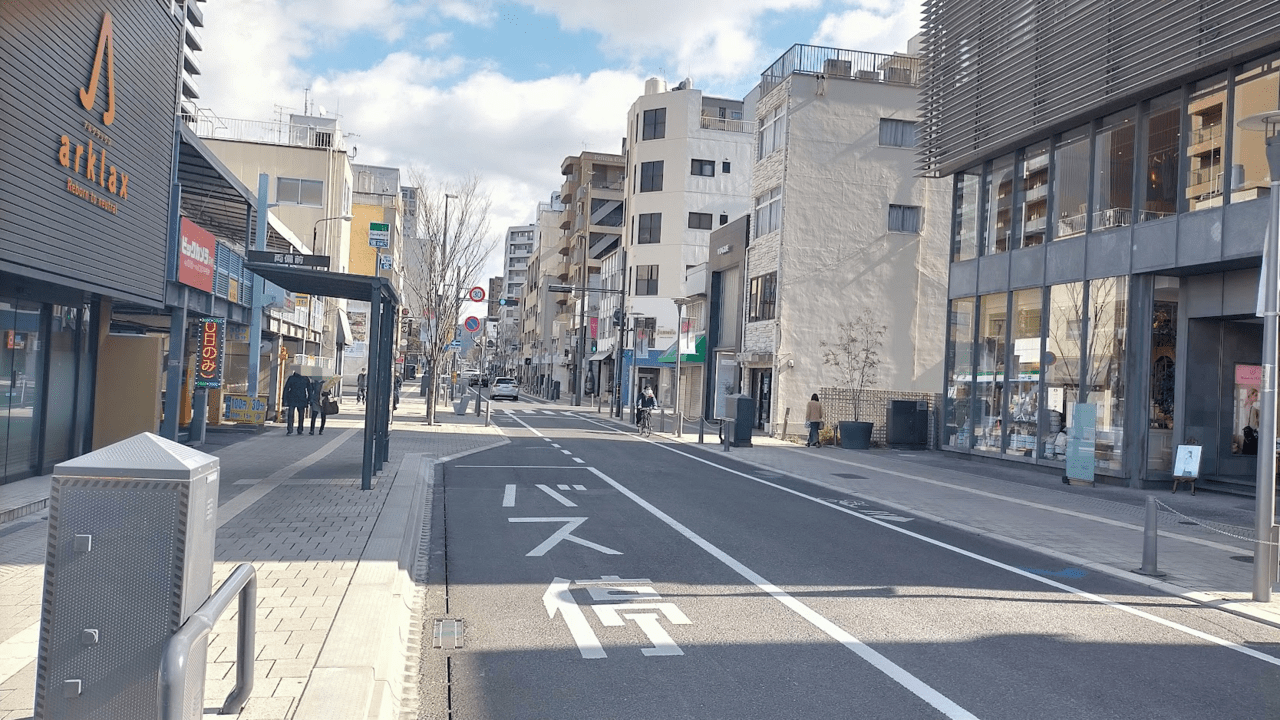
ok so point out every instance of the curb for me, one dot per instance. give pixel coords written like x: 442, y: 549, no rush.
x: 34, y: 506
x: 1235, y: 607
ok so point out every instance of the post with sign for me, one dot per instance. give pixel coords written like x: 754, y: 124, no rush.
x: 210, y: 341
x: 379, y: 235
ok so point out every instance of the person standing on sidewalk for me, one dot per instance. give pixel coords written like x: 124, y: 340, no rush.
x: 323, y: 406
x: 296, y: 396
x: 362, y: 385
x: 813, y: 416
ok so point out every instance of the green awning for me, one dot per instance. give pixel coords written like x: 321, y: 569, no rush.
x: 698, y: 355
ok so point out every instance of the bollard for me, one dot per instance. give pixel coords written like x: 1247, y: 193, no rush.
x: 662, y: 420
x: 727, y: 427
x: 488, y: 408
x: 678, y: 417
x: 786, y: 418
x: 701, y: 428
x: 1149, y: 535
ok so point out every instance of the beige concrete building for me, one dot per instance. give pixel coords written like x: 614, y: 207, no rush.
x: 841, y: 222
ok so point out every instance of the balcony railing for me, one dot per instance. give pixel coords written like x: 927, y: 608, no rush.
x: 1206, y: 134
x: 261, y: 131
x: 834, y: 62
x: 727, y: 125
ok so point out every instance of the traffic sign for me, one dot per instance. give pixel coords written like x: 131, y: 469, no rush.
x: 455, y: 345
x: 289, y: 259
x: 560, y: 288
x: 476, y: 294
x: 472, y: 324
x: 384, y: 261
x: 379, y: 235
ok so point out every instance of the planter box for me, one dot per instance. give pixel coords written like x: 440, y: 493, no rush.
x: 855, y: 435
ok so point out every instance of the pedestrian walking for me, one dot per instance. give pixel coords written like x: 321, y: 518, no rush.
x: 395, y: 397
x: 323, y: 406
x: 813, y: 416
x: 296, y: 397
x: 362, y: 385
x: 313, y: 404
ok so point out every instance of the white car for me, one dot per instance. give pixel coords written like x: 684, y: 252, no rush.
x: 504, y: 387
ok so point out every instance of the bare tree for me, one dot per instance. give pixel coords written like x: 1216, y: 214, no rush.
x: 441, y: 261
x: 856, y: 353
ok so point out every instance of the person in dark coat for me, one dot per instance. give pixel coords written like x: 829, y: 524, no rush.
x: 319, y: 400
x: 296, y: 396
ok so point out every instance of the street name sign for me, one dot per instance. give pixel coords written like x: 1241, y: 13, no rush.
x: 379, y: 235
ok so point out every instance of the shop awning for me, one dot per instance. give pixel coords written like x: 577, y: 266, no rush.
x: 698, y: 355
x: 600, y: 356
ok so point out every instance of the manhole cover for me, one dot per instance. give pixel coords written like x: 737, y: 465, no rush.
x: 1243, y: 558
x: 850, y: 476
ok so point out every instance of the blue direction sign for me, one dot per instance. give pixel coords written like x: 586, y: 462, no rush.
x: 472, y: 324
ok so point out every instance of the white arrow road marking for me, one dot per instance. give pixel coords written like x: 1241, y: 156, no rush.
x: 509, y: 496
x: 564, y: 533
x: 557, y: 496
x: 557, y: 598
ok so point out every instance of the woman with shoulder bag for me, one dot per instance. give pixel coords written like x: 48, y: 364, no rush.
x: 813, y: 417
x: 324, y: 406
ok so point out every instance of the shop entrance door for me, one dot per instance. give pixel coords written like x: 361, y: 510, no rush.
x: 762, y: 391
x: 21, y: 368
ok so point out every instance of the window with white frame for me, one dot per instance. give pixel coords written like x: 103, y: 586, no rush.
x: 897, y: 133
x: 768, y: 212
x: 293, y: 191
x: 762, y: 297
x: 904, y: 219
x: 773, y: 131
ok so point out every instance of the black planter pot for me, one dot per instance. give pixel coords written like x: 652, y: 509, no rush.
x: 855, y: 435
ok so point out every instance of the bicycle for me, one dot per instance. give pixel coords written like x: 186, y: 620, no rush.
x: 644, y: 424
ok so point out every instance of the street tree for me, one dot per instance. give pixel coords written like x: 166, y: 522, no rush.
x: 856, y: 353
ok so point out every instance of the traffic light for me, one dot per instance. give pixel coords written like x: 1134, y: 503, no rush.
x: 509, y: 302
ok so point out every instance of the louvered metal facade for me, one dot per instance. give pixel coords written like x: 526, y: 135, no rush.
x: 1000, y: 73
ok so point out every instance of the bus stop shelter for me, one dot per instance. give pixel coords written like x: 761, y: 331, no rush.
x: 383, y: 309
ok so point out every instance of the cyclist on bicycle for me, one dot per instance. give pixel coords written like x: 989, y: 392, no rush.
x: 647, y: 403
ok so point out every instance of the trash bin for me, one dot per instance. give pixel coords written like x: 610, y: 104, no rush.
x: 131, y: 539
x: 744, y: 419
x: 855, y: 435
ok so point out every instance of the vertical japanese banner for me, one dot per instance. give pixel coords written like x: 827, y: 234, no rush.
x: 211, y: 339
x: 686, y: 337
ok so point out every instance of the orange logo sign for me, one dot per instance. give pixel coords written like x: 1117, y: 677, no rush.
x: 105, y: 47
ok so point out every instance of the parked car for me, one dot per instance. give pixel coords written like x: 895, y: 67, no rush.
x: 471, y: 378
x: 504, y: 387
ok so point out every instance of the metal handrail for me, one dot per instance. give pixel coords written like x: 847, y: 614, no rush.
x: 173, y: 663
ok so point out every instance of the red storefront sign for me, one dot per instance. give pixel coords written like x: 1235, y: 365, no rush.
x: 209, y: 344
x: 196, y: 253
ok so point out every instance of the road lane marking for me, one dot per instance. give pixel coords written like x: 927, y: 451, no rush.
x: 961, y: 551
x: 557, y: 496
x: 562, y: 487
x: 528, y: 427
x: 895, y: 672
x: 566, y: 452
x: 509, y: 496
x: 522, y: 467
x: 577, y: 460
x: 564, y: 533
x: 555, y: 445
x: 580, y: 487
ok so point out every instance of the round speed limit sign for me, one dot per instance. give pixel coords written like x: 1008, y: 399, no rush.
x: 476, y: 294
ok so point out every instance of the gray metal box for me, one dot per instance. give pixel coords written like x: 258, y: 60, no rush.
x: 744, y: 419
x: 130, y: 557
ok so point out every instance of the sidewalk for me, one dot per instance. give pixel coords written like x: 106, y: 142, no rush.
x: 1205, y: 540
x: 336, y: 566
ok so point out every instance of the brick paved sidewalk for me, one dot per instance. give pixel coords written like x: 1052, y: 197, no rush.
x: 333, y: 584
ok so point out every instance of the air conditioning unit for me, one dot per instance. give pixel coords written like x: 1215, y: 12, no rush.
x: 867, y: 75
x: 898, y: 75
x: 837, y: 68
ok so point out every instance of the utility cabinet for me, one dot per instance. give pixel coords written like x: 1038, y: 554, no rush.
x: 130, y: 558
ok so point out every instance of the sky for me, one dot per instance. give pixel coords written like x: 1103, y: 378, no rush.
x: 505, y: 90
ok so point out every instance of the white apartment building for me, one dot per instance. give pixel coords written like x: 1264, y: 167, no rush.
x: 544, y: 315
x: 517, y: 251
x: 688, y: 161
x: 841, y: 222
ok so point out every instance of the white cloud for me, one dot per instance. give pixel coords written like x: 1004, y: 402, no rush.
x: 872, y: 25
x: 436, y: 41
x: 714, y: 39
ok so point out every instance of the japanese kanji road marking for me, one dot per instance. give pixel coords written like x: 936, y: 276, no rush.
x: 564, y: 533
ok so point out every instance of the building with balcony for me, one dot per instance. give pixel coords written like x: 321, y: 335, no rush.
x: 517, y: 252
x: 1107, y: 232
x: 688, y: 158
x: 543, y: 315
x: 842, y: 226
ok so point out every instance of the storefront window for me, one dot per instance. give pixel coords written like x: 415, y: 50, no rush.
x: 1024, y: 376
x: 1164, y: 129
x: 1104, y: 380
x: 989, y: 379
x: 1061, y: 367
x: 959, y: 400
x: 1164, y: 343
x: 964, y: 241
x: 1035, y: 194
x: 1000, y: 206
x: 1113, y: 172
x: 21, y: 378
x: 1257, y: 90
x: 1206, y: 115
x: 1245, y: 409
x: 1071, y: 182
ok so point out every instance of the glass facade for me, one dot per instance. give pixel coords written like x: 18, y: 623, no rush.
x: 1034, y: 193
x: 1113, y: 155
x: 1024, y: 372
x: 989, y: 378
x: 1071, y: 182
x: 964, y: 242
x: 959, y: 398
x: 1206, y: 116
x: 1164, y: 133
x: 999, y: 210
x: 1061, y: 366
x: 1257, y: 90
x: 1104, y: 380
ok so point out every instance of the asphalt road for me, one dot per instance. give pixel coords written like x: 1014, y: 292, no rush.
x: 599, y: 575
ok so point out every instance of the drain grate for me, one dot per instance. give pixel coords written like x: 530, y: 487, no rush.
x: 447, y: 634
x: 850, y: 476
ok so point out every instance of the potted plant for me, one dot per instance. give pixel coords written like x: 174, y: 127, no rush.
x: 856, y: 353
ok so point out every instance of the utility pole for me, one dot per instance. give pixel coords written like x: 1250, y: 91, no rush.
x: 582, y: 325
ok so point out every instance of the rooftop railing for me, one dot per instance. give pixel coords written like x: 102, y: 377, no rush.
x: 294, y: 134
x: 834, y: 62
